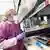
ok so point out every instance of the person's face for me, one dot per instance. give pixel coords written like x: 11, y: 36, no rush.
x: 12, y: 18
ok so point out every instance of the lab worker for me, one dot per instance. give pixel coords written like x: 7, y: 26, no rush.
x: 11, y: 36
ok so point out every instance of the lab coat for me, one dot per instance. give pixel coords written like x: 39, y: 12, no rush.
x: 8, y: 32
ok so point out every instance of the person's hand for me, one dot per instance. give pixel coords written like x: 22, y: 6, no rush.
x: 21, y: 36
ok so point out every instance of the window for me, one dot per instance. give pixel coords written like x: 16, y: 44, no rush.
x: 5, y: 4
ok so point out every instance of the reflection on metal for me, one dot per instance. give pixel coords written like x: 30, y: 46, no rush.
x: 27, y: 23
x: 30, y: 23
x: 34, y: 8
x: 40, y: 7
x: 45, y: 11
x: 28, y: 6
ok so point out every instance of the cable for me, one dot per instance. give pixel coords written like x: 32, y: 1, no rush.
x: 18, y: 6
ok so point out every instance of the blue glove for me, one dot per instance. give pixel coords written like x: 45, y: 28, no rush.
x: 21, y: 36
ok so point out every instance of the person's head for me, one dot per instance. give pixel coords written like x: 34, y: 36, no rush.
x: 10, y: 14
